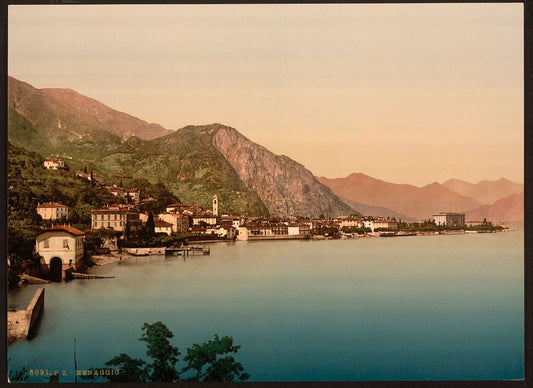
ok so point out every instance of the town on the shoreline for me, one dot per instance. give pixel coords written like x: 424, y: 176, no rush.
x: 127, y: 228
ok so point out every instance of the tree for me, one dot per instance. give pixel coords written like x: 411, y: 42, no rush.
x: 216, y: 369
x: 150, y: 224
x: 130, y: 369
x: 18, y: 376
x: 164, y: 357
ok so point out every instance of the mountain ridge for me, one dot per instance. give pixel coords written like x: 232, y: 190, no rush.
x: 485, y: 191
x: 74, y: 113
x: 195, y: 162
x: 417, y: 202
x: 508, y: 209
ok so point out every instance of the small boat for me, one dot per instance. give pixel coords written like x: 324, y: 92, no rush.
x: 403, y: 234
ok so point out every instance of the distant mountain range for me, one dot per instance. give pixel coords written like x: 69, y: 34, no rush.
x: 418, y: 202
x: 508, y: 209
x: 485, y: 192
x: 196, y: 162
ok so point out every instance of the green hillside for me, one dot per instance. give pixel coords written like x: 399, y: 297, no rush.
x: 194, y: 163
x: 189, y: 165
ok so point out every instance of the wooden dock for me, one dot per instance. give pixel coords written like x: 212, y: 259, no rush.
x: 186, y: 251
x: 78, y: 275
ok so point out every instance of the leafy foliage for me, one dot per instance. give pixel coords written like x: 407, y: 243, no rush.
x: 19, y: 376
x: 163, y: 359
x: 130, y: 370
x: 164, y: 355
x: 207, y: 355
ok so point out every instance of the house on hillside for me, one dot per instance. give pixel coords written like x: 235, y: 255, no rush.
x: 115, y: 217
x: 61, y: 248
x: 93, y: 177
x: 54, y: 164
x: 52, y: 211
x: 133, y: 195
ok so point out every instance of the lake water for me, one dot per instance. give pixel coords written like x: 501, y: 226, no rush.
x: 406, y: 308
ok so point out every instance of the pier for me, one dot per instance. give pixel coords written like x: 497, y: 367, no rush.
x: 186, y: 251
x: 78, y: 275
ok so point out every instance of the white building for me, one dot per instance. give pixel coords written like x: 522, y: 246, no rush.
x: 351, y: 223
x: 54, y: 164
x: 52, y: 211
x: 449, y: 219
x: 61, y: 247
x: 384, y: 224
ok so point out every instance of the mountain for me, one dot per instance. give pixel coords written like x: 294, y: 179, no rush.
x: 377, y: 211
x: 64, y: 115
x: 486, y: 192
x: 509, y: 209
x: 285, y: 186
x: 418, y: 202
x: 194, y: 162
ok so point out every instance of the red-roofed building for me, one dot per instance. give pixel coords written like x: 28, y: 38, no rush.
x: 52, y: 211
x: 61, y: 248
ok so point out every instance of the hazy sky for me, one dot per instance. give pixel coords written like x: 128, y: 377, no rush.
x: 408, y: 93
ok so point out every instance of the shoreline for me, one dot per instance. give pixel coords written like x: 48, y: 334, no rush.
x: 115, y: 257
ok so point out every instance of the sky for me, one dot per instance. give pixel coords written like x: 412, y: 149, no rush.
x: 407, y: 93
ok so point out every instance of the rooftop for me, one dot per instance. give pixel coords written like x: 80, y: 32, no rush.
x: 63, y: 228
x: 51, y: 204
x: 114, y: 209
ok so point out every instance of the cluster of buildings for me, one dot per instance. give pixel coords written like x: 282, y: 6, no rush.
x: 61, y: 246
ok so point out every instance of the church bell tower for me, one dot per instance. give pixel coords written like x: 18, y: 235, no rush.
x: 215, y: 205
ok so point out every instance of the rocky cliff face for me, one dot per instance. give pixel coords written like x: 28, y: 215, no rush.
x: 285, y: 186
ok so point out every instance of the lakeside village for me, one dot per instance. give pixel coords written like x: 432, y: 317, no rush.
x: 122, y: 230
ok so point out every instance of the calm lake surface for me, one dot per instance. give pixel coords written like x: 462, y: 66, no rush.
x: 405, y: 308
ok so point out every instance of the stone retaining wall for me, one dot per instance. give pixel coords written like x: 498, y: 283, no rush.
x: 21, y: 323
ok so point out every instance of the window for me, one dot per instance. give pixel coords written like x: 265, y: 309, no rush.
x: 46, y: 243
x: 65, y: 243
